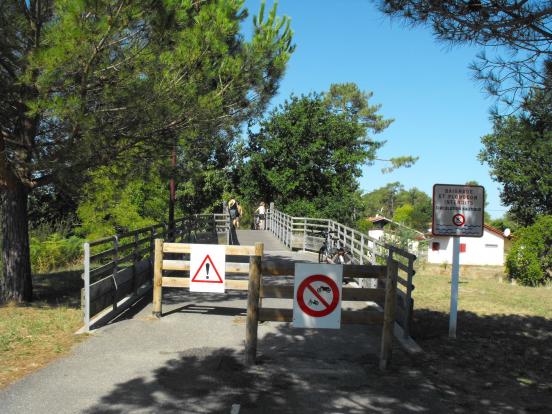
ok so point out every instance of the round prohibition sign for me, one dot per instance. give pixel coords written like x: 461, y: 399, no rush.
x: 307, y: 284
x: 458, y: 219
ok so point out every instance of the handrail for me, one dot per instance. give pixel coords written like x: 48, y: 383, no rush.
x: 296, y: 232
x: 139, y: 244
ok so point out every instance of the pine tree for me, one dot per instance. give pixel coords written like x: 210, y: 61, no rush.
x: 86, y: 82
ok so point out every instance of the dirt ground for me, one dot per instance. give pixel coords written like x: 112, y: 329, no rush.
x: 497, y: 364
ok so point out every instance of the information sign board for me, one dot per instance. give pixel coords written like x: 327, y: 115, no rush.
x: 458, y: 210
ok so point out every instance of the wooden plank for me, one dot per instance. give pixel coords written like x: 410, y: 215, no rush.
x: 184, y: 282
x: 278, y: 268
x: 175, y: 282
x: 285, y: 267
x: 242, y: 250
x: 176, y: 248
x: 364, y: 271
x: 362, y: 294
x: 184, y: 265
x: 348, y: 317
x: 230, y: 250
x: 347, y: 294
x: 273, y: 291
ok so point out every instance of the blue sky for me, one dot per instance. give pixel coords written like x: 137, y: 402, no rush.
x: 440, y: 112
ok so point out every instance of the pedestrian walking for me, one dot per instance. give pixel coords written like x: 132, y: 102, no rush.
x: 261, y: 214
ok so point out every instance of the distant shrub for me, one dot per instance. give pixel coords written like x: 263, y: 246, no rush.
x: 530, y: 259
x: 53, y: 246
x: 54, y: 252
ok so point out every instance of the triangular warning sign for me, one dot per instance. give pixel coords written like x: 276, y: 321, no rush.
x: 207, y: 272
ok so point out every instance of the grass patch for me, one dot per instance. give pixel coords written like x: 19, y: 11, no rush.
x: 33, y: 335
x: 483, y: 290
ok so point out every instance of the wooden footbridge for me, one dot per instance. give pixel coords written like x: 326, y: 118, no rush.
x: 120, y: 270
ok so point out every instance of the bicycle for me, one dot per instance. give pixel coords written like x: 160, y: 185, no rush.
x: 329, y: 253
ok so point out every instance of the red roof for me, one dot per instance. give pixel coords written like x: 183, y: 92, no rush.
x: 493, y: 230
x: 379, y: 218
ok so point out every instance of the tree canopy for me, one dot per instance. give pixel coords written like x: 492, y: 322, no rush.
x: 409, y: 207
x: 86, y: 83
x: 308, y: 153
x: 519, y: 153
x: 521, y: 29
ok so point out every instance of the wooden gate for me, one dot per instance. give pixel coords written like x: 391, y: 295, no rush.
x: 161, y: 264
x: 385, y: 297
x: 257, y: 268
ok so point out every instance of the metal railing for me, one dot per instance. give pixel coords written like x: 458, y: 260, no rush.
x: 118, y: 269
x: 298, y: 233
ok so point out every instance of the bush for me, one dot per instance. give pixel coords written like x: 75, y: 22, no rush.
x: 53, y: 246
x: 530, y: 259
x: 54, y: 252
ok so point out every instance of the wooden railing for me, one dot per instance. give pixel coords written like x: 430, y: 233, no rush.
x: 118, y: 270
x: 298, y: 233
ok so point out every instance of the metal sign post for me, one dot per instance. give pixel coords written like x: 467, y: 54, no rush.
x: 454, y: 286
x: 458, y: 211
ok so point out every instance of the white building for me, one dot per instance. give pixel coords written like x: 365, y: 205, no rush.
x: 378, y: 232
x: 486, y: 250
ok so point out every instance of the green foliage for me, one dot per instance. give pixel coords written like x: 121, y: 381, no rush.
x: 54, y: 252
x: 519, y: 152
x: 404, y: 238
x: 87, y: 84
x: 308, y: 153
x: 530, y: 258
x: 413, y: 207
x: 114, y: 203
x: 486, y: 215
x: 505, y: 222
x: 53, y: 245
x: 399, y: 162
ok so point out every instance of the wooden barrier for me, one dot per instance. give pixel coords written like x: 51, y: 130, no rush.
x: 385, y: 297
x: 256, y: 268
x: 161, y: 264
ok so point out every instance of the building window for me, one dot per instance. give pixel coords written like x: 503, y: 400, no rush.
x: 492, y: 246
x: 435, y: 246
x: 462, y: 247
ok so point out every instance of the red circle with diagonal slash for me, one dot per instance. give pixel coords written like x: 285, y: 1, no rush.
x: 307, y: 284
x: 459, y: 220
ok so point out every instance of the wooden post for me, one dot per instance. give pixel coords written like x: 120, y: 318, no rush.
x: 157, y: 277
x: 389, y: 313
x: 253, y: 294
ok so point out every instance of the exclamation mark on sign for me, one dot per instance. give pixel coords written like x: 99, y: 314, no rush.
x: 207, y: 270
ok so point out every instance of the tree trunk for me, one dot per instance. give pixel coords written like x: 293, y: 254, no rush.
x: 16, y: 283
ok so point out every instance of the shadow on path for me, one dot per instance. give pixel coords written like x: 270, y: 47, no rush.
x: 499, y: 364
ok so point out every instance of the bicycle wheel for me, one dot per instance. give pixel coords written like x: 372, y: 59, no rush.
x: 322, y: 255
x: 348, y: 259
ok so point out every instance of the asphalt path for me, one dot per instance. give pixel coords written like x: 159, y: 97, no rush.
x: 191, y: 361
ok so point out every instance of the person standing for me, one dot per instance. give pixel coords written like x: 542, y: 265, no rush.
x: 261, y: 212
x: 240, y: 214
x: 234, y: 213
